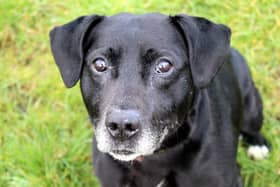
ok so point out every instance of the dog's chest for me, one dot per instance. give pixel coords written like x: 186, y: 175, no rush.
x: 137, y: 176
x: 146, y: 183
x: 162, y: 183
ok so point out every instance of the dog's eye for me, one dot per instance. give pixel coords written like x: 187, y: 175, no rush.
x: 163, y: 66
x: 99, y: 65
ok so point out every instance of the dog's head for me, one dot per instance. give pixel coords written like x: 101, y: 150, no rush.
x: 138, y: 73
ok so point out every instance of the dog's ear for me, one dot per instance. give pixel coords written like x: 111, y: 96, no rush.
x: 208, y: 45
x: 67, y: 47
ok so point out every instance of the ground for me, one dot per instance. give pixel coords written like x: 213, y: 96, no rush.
x: 45, y: 134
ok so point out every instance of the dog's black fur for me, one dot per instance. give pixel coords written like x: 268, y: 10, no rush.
x: 204, y: 101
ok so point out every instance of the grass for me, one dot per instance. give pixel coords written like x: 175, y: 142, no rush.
x: 45, y: 135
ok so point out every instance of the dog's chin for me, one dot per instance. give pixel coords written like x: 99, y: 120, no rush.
x: 126, y: 157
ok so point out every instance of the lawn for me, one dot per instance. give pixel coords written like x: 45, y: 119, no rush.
x: 45, y: 134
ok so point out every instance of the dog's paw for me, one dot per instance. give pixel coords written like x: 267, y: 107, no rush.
x: 258, y: 152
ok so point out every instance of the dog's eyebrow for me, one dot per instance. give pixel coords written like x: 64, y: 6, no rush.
x: 149, y: 55
x: 109, y: 52
x: 114, y: 54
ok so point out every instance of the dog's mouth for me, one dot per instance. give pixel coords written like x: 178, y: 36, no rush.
x: 144, y: 144
x: 123, y: 152
x: 126, y: 155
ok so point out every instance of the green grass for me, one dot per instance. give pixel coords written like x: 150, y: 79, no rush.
x: 45, y: 135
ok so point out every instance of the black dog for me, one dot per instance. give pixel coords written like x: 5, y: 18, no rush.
x: 167, y: 95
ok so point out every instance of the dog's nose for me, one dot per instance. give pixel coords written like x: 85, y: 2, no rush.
x: 123, y: 124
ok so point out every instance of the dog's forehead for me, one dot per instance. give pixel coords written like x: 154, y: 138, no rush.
x: 139, y: 19
x: 147, y: 29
